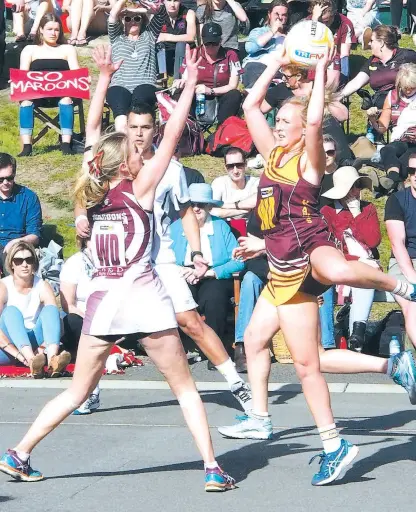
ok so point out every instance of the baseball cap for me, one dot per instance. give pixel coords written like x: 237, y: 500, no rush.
x: 211, y: 33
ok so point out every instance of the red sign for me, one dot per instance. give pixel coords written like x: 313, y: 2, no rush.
x: 32, y: 85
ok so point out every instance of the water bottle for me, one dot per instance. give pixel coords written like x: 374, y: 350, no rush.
x: 200, y: 104
x: 394, y: 346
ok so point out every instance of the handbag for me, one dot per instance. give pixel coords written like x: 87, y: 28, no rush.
x: 211, y: 105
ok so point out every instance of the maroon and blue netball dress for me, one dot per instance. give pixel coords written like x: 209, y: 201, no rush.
x: 126, y: 294
x: 287, y: 209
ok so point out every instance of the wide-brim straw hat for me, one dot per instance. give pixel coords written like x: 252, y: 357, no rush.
x: 344, y: 179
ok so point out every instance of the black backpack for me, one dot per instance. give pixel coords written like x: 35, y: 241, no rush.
x: 392, y: 325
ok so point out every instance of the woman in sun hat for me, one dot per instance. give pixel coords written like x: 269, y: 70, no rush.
x: 355, y: 225
x: 214, y: 291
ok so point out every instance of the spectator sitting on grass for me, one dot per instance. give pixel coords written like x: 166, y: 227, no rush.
x: 29, y: 315
x: 234, y: 186
x: 20, y: 211
x: 26, y: 20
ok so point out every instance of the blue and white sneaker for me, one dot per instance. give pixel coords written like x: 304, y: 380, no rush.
x: 91, y: 404
x: 18, y: 469
x: 334, y: 463
x: 249, y: 427
x: 403, y: 373
x: 217, y: 480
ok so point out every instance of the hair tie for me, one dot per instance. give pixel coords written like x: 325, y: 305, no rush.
x: 95, y: 166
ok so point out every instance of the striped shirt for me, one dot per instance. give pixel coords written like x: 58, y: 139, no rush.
x: 138, y: 56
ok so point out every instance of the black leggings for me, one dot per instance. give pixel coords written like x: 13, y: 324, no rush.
x: 213, y: 297
x: 72, y: 327
x: 396, y: 8
x: 396, y: 154
x: 228, y: 105
x: 121, y: 99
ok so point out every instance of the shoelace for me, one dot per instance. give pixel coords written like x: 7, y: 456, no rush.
x: 241, y: 417
x: 322, y: 456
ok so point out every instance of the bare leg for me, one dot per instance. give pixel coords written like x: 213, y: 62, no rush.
x: 166, y: 351
x: 330, y: 267
x: 44, y: 7
x: 263, y: 325
x: 409, y: 313
x: 346, y: 361
x: 18, y: 24
x: 92, y: 354
x: 75, y: 18
x: 299, y: 320
x: 87, y: 14
x: 206, y: 339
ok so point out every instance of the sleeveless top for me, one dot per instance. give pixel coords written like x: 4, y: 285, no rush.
x: 29, y: 305
x: 49, y: 65
x: 121, y: 237
x: 288, y: 212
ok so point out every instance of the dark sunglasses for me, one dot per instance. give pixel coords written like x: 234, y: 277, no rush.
x: 30, y: 260
x: 136, y: 19
x: 211, y: 44
x: 239, y: 165
x: 9, y: 179
x: 411, y: 171
x: 201, y: 206
x: 330, y: 152
x: 287, y: 77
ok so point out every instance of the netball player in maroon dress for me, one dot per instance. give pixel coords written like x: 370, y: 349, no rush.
x: 126, y: 296
x: 303, y: 261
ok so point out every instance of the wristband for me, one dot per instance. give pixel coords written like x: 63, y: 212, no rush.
x: 212, y: 91
x: 80, y: 218
x: 195, y: 253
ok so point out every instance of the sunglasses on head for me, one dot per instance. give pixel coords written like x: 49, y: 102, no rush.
x: 411, y: 171
x: 136, y: 19
x: 239, y: 165
x: 201, y: 206
x: 9, y: 179
x: 330, y: 152
x: 30, y: 260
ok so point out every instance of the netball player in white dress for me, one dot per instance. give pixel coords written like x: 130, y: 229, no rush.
x: 127, y: 295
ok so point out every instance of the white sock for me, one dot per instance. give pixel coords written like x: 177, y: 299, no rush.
x: 260, y: 415
x: 228, y: 371
x: 403, y: 289
x: 22, y: 455
x: 96, y: 390
x: 211, y: 465
x: 330, y: 438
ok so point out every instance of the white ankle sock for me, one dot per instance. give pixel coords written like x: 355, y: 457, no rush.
x: 403, y: 289
x: 228, y: 371
x: 22, y: 455
x: 330, y: 438
x: 96, y: 390
x: 211, y: 465
x: 260, y: 415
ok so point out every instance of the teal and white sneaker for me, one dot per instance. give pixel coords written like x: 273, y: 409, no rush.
x: 91, y: 404
x: 19, y: 469
x: 217, y: 480
x: 403, y: 373
x: 334, y: 463
x: 249, y: 427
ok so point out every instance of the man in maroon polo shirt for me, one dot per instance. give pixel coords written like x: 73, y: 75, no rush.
x: 218, y: 73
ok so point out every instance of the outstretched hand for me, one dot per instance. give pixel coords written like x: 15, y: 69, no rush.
x: 102, y: 57
x: 192, y: 62
x: 327, y: 58
x: 249, y: 247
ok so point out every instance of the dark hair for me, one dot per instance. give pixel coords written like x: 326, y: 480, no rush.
x: 389, y: 35
x: 142, y: 109
x: 277, y: 3
x: 7, y: 160
x: 50, y: 17
x: 232, y: 150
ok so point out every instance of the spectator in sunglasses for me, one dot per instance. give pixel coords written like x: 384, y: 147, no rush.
x: 133, y: 41
x: 20, y: 211
x: 30, y: 328
x: 214, y: 290
x: 234, y: 186
x: 355, y: 225
x: 400, y: 217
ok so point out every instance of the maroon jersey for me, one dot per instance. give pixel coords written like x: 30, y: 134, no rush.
x: 288, y: 212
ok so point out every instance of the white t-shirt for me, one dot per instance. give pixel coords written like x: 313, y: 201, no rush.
x: 78, y: 270
x: 172, y: 189
x: 28, y: 304
x: 206, y: 230
x: 223, y: 190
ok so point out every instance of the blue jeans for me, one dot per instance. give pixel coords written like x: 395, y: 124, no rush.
x: 251, y: 288
x: 326, y: 315
x: 27, y: 118
x: 47, y: 329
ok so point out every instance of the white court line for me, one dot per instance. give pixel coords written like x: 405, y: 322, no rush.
x: 116, y: 384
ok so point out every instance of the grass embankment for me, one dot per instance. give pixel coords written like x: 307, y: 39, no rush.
x: 52, y: 175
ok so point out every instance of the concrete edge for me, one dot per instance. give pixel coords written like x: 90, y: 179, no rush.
x: 116, y: 384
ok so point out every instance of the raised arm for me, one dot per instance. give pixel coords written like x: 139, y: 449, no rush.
x: 315, y: 163
x: 116, y: 11
x: 259, y: 129
x: 153, y: 171
x: 102, y: 58
x: 239, y: 12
